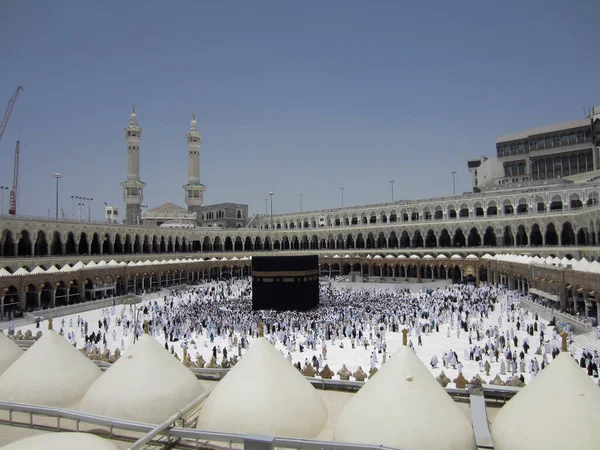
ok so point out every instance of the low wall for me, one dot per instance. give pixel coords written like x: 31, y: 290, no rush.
x: 60, y: 311
x: 548, y: 313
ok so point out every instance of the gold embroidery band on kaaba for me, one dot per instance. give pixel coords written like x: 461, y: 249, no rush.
x: 284, y: 273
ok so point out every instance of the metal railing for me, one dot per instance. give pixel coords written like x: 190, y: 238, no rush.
x: 68, y: 414
x: 165, y: 435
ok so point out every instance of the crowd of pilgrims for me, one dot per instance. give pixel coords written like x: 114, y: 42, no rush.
x: 218, y: 316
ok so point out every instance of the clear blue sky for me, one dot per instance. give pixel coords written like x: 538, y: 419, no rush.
x: 290, y: 97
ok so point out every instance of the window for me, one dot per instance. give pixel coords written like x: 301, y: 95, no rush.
x: 521, y: 147
x: 541, y: 144
x: 572, y: 138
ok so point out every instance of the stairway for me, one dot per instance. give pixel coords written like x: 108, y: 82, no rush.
x: 587, y: 340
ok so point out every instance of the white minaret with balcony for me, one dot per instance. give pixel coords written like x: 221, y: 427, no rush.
x: 194, y: 190
x: 133, y: 188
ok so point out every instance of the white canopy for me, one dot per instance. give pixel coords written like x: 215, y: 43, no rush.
x: 271, y: 398
x: 404, y: 380
x: 531, y: 420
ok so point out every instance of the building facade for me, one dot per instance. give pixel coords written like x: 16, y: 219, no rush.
x: 223, y: 215
x: 563, y: 150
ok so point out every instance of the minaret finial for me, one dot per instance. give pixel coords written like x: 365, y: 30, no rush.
x: 193, y: 116
x: 133, y: 108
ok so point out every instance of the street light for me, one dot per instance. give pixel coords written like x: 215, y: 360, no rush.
x: 392, y: 183
x: 57, y: 176
x: 271, y: 195
x: 453, y: 182
x: 300, y: 201
x: 342, y: 196
x: 89, y: 208
x: 3, y: 188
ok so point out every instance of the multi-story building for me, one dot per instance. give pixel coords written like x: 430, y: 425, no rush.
x: 223, y: 215
x: 565, y: 150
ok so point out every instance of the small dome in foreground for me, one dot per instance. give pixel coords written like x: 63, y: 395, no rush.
x: 51, y: 373
x: 558, y: 409
x: 398, y: 408
x: 264, y: 394
x: 9, y: 353
x: 147, y: 384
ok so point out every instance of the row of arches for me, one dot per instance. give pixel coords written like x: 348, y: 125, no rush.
x: 464, y: 210
x: 81, y: 244
x: 536, y: 235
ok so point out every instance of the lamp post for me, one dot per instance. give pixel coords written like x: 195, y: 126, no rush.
x: 453, y: 182
x: 300, y: 195
x: 3, y: 188
x: 80, y: 204
x: 342, y: 189
x: 392, y: 183
x: 271, y: 195
x: 57, y: 176
x: 89, y: 208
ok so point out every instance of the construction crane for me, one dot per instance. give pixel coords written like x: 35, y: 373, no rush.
x: 12, y: 210
x: 9, y: 108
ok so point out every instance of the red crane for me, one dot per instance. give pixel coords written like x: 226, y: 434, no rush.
x: 8, y: 110
x: 12, y: 210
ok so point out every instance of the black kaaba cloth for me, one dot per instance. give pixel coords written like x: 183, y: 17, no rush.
x: 285, y: 283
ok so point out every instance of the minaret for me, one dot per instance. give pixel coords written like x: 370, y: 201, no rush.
x: 194, y: 191
x: 133, y: 188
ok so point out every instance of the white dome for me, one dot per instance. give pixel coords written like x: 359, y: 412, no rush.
x: 264, y: 394
x: 147, y: 384
x: 404, y: 381
x: 531, y: 419
x: 62, y: 441
x: 54, y: 372
x: 9, y: 352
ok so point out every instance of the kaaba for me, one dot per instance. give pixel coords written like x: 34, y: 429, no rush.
x: 285, y: 283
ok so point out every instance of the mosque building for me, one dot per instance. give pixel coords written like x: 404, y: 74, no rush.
x: 170, y: 215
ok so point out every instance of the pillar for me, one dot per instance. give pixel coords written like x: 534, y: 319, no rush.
x: 2, y: 306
